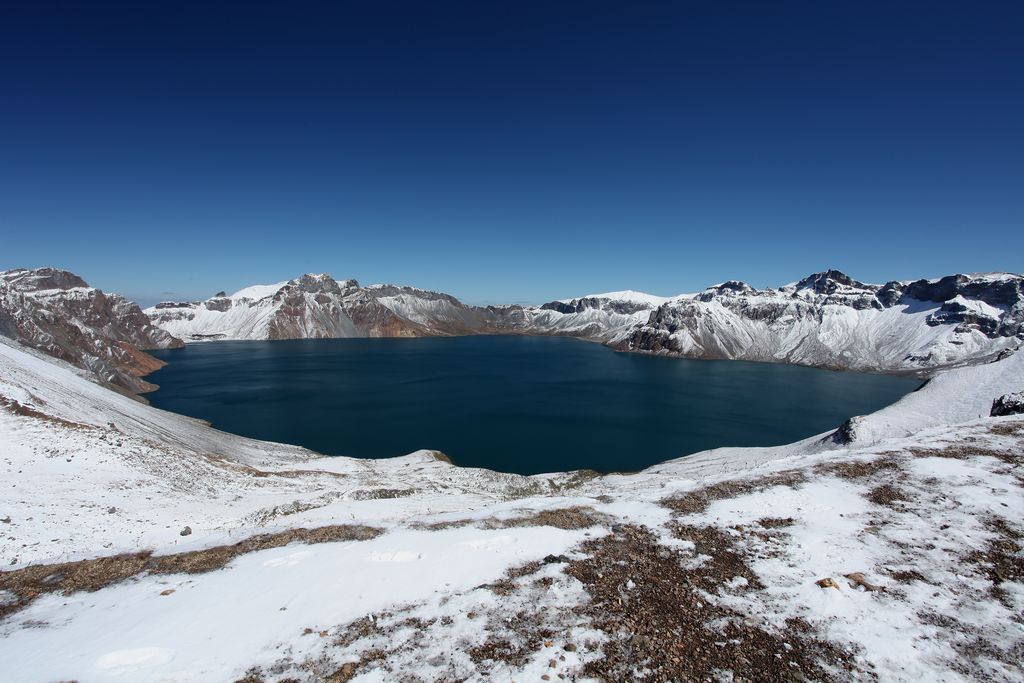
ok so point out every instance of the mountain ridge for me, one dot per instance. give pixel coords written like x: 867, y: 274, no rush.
x: 57, y: 312
x: 827, y: 319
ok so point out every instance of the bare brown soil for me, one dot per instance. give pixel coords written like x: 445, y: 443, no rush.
x: 860, y: 469
x: 578, y: 517
x: 888, y: 495
x: 655, y: 610
x: 17, y: 408
x: 1001, y: 560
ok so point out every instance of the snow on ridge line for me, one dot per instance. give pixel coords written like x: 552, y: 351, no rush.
x: 995, y: 276
x: 731, y: 320
x: 257, y: 292
x: 629, y: 295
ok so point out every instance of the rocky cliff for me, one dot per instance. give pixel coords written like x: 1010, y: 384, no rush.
x: 308, y: 307
x: 58, y: 313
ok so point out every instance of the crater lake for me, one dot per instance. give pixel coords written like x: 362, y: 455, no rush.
x: 510, y: 403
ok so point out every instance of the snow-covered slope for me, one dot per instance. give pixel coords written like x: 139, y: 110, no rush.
x: 58, y: 313
x: 827, y: 319
x: 73, y: 448
x: 703, y: 567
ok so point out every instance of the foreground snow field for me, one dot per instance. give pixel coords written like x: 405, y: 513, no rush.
x: 702, y: 567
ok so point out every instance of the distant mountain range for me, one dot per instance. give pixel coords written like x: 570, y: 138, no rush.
x: 827, y: 319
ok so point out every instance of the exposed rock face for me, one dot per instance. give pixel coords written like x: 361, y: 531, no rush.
x: 730, y: 288
x: 827, y: 319
x: 847, y: 432
x: 56, y: 312
x: 435, y: 312
x: 595, y: 303
x: 318, y: 306
x: 1008, y: 404
x: 308, y: 307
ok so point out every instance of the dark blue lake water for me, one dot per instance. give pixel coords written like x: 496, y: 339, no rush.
x: 515, y: 404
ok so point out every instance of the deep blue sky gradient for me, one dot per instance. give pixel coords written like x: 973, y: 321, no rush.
x: 510, y: 151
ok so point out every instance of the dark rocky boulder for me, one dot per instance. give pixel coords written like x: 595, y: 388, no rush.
x: 847, y: 432
x: 1008, y: 404
x: 219, y: 303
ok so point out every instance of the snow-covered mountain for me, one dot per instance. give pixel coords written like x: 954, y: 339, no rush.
x: 58, y: 313
x: 831, y: 320
x: 828, y: 319
x: 308, y: 307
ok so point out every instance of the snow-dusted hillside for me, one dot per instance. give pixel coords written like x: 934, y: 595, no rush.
x: 58, y: 313
x: 142, y: 545
x: 827, y: 319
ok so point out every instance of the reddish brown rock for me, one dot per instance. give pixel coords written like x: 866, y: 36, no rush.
x: 56, y: 312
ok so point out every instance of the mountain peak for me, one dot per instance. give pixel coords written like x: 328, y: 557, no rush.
x: 829, y: 281
x: 322, y: 282
x: 39, y: 279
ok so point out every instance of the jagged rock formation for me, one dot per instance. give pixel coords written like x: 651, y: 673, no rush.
x: 1008, y: 404
x: 58, y: 313
x: 827, y: 319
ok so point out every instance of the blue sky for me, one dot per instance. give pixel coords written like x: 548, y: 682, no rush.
x: 510, y: 152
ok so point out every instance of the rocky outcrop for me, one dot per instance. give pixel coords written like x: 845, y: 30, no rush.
x: 1008, y: 404
x: 595, y: 303
x: 847, y: 432
x: 56, y: 312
